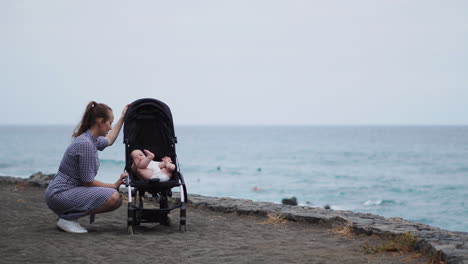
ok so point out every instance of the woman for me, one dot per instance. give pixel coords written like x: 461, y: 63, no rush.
x: 74, y: 192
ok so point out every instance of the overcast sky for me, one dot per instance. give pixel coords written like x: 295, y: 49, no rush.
x: 238, y: 62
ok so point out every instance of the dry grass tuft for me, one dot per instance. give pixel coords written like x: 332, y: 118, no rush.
x: 274, y: 220
x: 400, y: 243
x: 345, y: 231
x: 415, y: 256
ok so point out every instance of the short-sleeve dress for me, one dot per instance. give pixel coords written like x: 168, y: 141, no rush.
x: 66, y: 195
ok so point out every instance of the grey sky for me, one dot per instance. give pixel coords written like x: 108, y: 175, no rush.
x: 237, y: 62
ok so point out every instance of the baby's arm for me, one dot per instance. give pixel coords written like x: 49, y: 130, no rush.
x: 146, y: 161
x: 141, y: 167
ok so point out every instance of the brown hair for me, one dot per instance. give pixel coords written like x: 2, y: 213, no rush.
x: 93, y: 111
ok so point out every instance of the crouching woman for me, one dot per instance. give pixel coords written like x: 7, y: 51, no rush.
x: 74, y: 192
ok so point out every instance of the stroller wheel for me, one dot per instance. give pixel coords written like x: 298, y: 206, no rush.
x: 130, y: 230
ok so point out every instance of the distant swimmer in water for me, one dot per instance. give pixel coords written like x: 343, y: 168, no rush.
x: 256, y: 189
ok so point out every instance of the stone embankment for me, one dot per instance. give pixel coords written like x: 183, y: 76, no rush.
x: 450, y: 247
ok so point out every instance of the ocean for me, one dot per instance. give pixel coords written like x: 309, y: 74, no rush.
x: 419, y: 173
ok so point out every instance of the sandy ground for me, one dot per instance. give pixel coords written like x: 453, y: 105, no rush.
x: 29, y: 235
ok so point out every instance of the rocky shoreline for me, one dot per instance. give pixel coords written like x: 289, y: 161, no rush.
x: 37, y: 179
x: 450, y: 247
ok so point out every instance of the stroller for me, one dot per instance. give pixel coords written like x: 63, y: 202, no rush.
x: 148, y: 125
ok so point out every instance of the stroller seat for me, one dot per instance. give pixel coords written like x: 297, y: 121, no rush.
x: 149, y: 125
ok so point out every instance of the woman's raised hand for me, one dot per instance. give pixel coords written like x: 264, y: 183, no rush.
x: 125, y: 110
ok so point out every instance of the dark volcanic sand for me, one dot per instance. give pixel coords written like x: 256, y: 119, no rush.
x: 29, y: 235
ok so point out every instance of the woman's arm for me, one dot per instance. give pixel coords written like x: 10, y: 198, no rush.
x: 96, y: 183
x: 144, y: 163
x: 114, y: 133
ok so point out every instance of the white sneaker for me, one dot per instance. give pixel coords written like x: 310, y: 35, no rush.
x: 71, y: 226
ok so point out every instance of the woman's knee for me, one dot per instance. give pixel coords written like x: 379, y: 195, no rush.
x: 115, y: 201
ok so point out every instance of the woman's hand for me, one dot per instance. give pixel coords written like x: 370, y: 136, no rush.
x: 121, y: 180
x: 125, y: 110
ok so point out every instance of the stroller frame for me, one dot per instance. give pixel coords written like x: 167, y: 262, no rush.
x: 151, y: 121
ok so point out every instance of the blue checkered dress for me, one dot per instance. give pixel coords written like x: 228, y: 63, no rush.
x: 66, y: 195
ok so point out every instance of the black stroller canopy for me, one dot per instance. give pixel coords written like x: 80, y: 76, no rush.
x: 148, y: 125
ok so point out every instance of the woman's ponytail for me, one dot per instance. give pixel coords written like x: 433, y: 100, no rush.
x: 92, y: 112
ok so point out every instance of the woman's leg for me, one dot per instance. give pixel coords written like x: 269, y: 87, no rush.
x: 111, y: 204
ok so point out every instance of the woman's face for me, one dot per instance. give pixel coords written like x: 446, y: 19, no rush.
x: 105, y: 126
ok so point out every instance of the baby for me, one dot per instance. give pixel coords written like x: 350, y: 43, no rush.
x: 144, y: 166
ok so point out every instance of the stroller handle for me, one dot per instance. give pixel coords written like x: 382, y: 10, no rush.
x: 127, y: 184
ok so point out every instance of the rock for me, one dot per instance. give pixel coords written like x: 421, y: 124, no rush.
x: 11, y: 180
x: 37, y: 179
x: 41, y: 180
x: 291, y: 201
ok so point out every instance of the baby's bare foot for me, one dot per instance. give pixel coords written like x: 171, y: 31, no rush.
x: 167, y: 159
x: 170, y: 166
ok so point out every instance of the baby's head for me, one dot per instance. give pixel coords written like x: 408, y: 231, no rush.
x: 137, y: 155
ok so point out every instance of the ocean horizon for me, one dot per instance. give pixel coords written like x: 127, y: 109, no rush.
x: 416, y: 172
